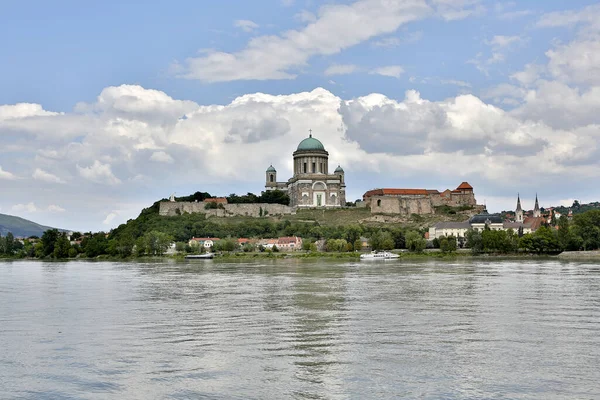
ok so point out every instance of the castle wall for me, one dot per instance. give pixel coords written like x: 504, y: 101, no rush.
x: 169, y: 208
x: 403, y: 205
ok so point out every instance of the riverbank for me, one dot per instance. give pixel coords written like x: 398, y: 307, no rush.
x: 580, y: 255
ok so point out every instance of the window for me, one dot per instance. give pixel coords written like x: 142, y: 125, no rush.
x: 378, y: 203
x: 304, y: 169
x: 271, y: 177
x: 314, y: 167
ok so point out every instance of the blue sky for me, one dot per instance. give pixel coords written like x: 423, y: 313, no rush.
x: 406, y: 93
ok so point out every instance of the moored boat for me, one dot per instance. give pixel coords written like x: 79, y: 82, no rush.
x: 204, y: 256
x: 382, y: 255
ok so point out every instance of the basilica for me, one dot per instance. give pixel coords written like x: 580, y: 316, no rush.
x: 312, y: 185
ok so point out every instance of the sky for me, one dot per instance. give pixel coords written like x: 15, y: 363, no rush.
x: 106, y: 107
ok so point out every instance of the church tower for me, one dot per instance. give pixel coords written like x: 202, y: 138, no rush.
x: 271, y: 178
x: 536, y: 210
x: 519, y: 210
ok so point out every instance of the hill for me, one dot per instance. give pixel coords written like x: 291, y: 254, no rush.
x: 20, y: 227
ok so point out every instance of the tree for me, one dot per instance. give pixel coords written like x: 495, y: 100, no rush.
x: 156, y: 243
x: 415, y: 242
x: 352, y: 233
x: 9, y: 244
x: 48, y: 241
x: 448, y: 244
x: 474, y: 241
x: 62, y: 246
x: 587, y: 227
x: 381, y: 240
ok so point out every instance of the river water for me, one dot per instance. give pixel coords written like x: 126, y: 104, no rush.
x: 302, y: 329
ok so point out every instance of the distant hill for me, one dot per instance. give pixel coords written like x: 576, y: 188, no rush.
x: 20, y: 227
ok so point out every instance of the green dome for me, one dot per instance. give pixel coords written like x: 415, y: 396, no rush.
x: 271, y: 169
x: 338, y: 169
x: 310, y: 143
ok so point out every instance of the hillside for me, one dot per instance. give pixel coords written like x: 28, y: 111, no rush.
x: 313, y: 223
x: 20, y: 227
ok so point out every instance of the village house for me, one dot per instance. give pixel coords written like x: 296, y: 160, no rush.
x: 203, y: 242
x: 289, y: 243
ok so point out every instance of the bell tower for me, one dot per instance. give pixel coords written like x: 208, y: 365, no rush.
x: 271, y: 178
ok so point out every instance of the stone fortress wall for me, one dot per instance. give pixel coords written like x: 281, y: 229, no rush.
x: 417, y: 201
x: 171, y: 208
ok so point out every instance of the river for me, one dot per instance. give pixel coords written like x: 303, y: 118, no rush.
x: 303, y: 329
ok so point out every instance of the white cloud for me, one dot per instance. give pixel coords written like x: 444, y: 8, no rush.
x: 29, y: 207
x: 6, y: 175
x: 455, y: 82
x: 162, y: 157
x: 393, y: 41
x: 41, y: 175
x: 338, y: 26
x: 379, y: 140
x: 340, y: 69
x: 99, y: 173
x: 511, y: 15
x: 393, y: 71
x: 287, y: 3
x: 56, y: 209
x: 246, y: 25
x: 578, y: 61
x: 110, y: 217
x: 23, y: 110
x: 500, y: 41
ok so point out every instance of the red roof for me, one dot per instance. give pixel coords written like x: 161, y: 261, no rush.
x: 204, y: 239
x: 288, y: 240
x: 216, y: 200
x: 464, y: 186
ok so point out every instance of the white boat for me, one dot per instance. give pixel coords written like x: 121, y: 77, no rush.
x: 376, y: 255
x: 204, y: 256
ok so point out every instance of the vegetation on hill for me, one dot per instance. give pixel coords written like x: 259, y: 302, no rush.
x: 20, y: 227
x: 339, y: 230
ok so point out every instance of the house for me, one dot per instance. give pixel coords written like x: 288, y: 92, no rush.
x: 267, y: 243
x: 205, y: 242
x: 289, y: 243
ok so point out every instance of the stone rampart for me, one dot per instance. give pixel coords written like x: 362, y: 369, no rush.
x: 170, y: 208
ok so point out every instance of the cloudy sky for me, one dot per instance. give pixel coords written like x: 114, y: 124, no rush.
x: 108, y: 106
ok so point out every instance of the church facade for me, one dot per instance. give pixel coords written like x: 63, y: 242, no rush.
x: 311, y: 186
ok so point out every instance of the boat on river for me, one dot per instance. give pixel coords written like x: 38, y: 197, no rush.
x: 205, y: 256
x: 379, y: 255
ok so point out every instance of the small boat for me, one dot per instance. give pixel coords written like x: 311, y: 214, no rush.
x: 205, y: 256
x: 375, y: 255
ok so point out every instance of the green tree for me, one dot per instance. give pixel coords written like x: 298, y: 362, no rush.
x: 474, y: 241
x: 48, y: 241
x: 587, y: 227
x: 448, y: 244
x: 415, y: 242
x: 62, y: 246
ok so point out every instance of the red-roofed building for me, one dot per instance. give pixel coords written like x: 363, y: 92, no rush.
x: 289, y: 243
x: 417, y: 201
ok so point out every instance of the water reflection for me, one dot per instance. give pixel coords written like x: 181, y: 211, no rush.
x: 300, y: 329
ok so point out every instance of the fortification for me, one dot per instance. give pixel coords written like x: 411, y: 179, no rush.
x: 171, y: 208
x: 417, y: 201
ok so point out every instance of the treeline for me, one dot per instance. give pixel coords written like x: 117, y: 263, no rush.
x: 582, y: 233
x: 270, y: 196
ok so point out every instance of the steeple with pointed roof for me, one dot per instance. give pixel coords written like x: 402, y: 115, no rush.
x: 536, y: 209
x: 519, y: 210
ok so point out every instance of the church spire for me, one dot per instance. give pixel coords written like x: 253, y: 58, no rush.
x: 536, y: 208
x: 519, y: 210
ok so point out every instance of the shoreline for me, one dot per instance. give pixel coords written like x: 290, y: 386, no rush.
x: 567, y: 256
